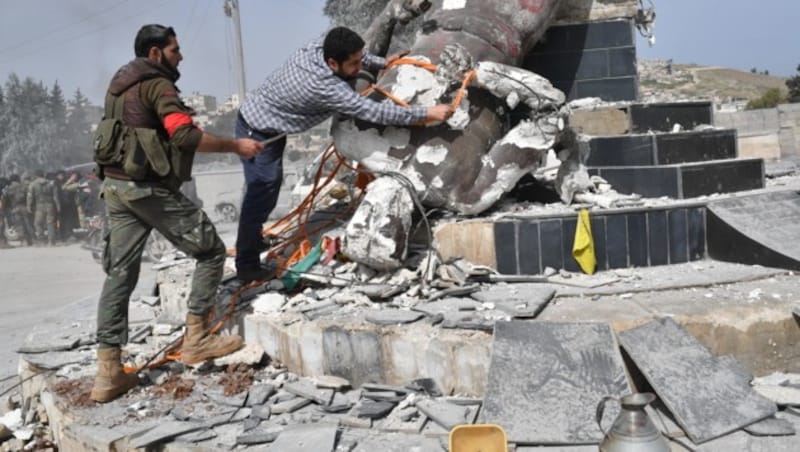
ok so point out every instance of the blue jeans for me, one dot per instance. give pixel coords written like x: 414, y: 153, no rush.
x: 263, y: 176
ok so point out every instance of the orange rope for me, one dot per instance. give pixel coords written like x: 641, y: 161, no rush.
x: 292, y: 227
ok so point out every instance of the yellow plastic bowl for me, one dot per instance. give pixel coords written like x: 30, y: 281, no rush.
x: 478, y: 438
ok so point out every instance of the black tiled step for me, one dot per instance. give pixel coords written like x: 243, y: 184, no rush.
x: 589, y: 60
x: 756, y: 230
x: 635, y: 238
x: 662, y: 117
x: 662, y: 149
x: 685, y: 180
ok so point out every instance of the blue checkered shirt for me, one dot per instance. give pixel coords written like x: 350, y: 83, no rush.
x: 304, y: 92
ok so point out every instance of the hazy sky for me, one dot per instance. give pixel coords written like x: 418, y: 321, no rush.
x: 81, y: 43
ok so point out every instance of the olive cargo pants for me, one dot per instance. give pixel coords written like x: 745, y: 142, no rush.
x: 134, y: 209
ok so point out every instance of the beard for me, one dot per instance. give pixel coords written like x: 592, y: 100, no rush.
x: 346, y: 77
x: 164, y: 62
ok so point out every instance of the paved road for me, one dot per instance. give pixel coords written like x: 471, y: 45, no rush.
x: 37, y: 282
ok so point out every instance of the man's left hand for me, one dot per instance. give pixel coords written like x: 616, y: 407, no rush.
x: 392, y: 58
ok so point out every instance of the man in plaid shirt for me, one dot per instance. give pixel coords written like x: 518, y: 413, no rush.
x: 305, y: 91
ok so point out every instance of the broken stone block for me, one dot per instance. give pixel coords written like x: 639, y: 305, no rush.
x: 518, y: 300
x: 268, y: 303
x: 262, y: 412
x: 197, y: 437
x: 376, y: 387
x: 340, y: 403
x: 306, y: 389
x: 250, y: 355
x: 426, y: 386
x: 691, y: 382
x: 771, y: 426
x: 355, y: 422
x: 140, y: 333
x: 545, y: 379
x: 217, y: 395
x: 398, y: 442
x: 290, y: 406
x: 383, y: 396
x: 392, y: 316
x: 162, y: 432
x: 316, y: 437
x: 445, y: 414
x: 371, y: 409
x: 331, y: 382
x: 259, y: 394
x: 260, y: 436
x: 781, y: 388
x: 251, y: 422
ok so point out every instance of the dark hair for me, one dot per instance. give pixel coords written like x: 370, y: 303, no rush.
x: 13, y: 178
x: 340, y: 43
x: 152, y: 35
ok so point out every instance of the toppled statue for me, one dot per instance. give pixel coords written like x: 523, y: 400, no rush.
x: 468, y: 163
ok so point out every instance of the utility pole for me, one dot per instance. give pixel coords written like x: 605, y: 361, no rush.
x: 232, y: 10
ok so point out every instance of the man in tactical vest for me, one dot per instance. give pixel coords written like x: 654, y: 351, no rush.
x: 43, y: 204
x: 15, y: 201
x: 3, y: 242
x: 141, y: 192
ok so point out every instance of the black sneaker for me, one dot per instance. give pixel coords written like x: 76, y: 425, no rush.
x: 248, y: 275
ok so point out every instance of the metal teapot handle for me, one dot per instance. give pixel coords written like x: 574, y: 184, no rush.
x: 601, y: 408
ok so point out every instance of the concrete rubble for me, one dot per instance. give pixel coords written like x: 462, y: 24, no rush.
x: 393, y: 351
x: 248, y: 399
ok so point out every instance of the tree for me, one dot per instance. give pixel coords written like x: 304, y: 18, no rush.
x: 78, y: 130
x: 793, y: 84
x: 771, y: 99
x: 57, y: 105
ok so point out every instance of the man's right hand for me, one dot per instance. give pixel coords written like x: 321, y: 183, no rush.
x: 440, y: 112
x: 248, y: 148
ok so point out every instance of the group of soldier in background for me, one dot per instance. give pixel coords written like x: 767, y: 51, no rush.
x: 46, y: 208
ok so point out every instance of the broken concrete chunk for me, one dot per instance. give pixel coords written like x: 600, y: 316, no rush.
x: 217, y: 395
x: 340, y: 403
x: 250, y: 355
x: 384, y: 396
x: 262, y: 412
x: 392, y: 316
x: 331, y: 382
x: 36, y: 343
x: 259, y: 394
x: 426, y: 386
x: 518, y: 300
x: 691, y: 382
x: 371, y: 409
x: 448, y: 305
x: 455, y: 292
x: 355, y: 422
x: 377, y: 387
x: 316, y: 437
x: 251, y: 422
x: 196, y: 437
x: 140, y: 333
x: 290, y: 406
x: 259, y: 436
x: 771, y: 426
x: 445, y: 414
x: 306, y: 389
x: 268, y: 303
x: 150, y: 301
x: 164, y: 431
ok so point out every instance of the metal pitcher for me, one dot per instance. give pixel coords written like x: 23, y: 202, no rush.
x: 632, y: 431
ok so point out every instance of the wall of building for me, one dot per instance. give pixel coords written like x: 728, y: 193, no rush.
x: 769, y: 133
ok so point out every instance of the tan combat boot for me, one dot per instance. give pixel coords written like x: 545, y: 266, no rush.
x: 111, y: 380
x: 199, y: 344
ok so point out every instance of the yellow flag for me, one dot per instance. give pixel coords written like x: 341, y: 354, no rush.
x: 583, y: 246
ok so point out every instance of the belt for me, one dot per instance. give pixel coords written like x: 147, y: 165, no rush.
x: 115, y: 173
x: 270, y: 135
